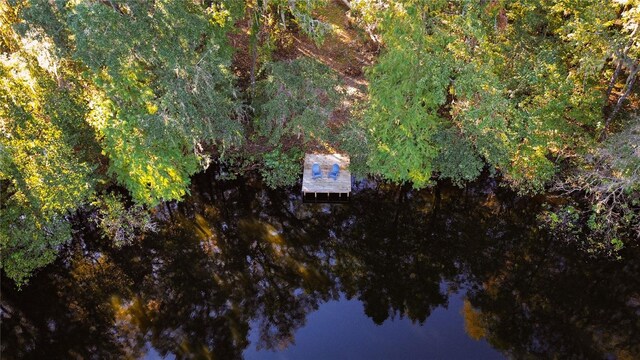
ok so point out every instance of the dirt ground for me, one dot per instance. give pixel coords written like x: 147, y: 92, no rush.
x: 347, y: 50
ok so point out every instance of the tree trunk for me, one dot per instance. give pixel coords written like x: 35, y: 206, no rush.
x: 622, y: 57
x: 614, y: 78
x: 169, y: 211
x: 346, y: 3
x: 628, y: 86
x: 254, y: 42
x: 254, y: 61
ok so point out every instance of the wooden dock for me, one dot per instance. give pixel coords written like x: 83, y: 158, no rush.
x: 324, y: 187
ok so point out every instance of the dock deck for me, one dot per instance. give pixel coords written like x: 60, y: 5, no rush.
x: 325, y: 185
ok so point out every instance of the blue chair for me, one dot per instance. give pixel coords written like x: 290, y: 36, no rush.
x: 333, y: 174
x: 315, y: 171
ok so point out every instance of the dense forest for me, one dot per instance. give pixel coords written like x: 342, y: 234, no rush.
x: 108, y: 108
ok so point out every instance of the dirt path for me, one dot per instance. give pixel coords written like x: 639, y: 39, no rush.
x: 347, y: 50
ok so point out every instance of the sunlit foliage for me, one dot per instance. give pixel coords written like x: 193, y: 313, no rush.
x: 142, y: 87
x: 44, y: 147
x: 508, y: 84
x: 161, y: 88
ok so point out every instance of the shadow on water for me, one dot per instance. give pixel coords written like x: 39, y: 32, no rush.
x: 236, y: 255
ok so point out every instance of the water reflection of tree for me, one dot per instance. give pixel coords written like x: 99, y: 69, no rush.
x: 384, y: 259
x: 235, y: 256
x: 400, y: 246
x: 198, y: 286
x: 548, y: 302
x: 225, y: 262
x: 537, y: 297
x: 66, y: 312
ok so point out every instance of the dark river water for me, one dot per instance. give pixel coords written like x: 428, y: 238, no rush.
x: 237, y: 270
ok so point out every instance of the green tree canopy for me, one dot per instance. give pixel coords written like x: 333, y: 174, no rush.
x: 511, y: 85
x: 45, y: 150
x: 159, y: 85
x: 94, y: 92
